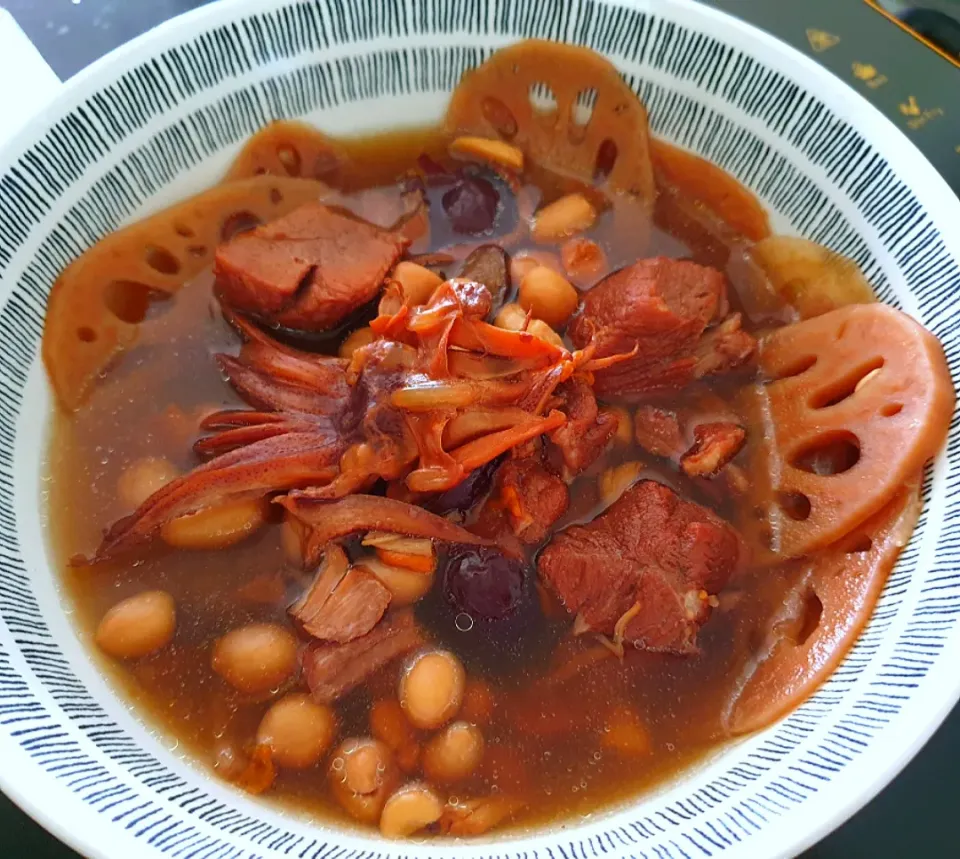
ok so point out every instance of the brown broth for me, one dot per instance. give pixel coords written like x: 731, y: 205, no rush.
x: 548, y: 746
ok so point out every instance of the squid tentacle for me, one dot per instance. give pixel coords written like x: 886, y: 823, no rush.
x: 270, y: 465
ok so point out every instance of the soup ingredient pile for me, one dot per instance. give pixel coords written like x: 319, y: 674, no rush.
x: 536, y: 462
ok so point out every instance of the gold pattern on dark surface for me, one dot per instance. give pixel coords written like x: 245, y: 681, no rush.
x: 910, y: 107
x: 821, y: 40
x: 869, y: 75
x: 918, y: 116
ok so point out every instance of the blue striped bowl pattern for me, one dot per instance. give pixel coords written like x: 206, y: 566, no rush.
x: 162, y: 117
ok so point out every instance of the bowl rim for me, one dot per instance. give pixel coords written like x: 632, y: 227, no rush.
x: 869, y: 121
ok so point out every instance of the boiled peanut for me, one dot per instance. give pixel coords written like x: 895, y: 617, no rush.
x: 216, y: 527
x: 512, y: 317
x: 405, y: 585
x: 539, y: 328
x: 492, y: 151
x: 417, y: 282
x: 144, y: 477
x: 548, y: 295
x: 297, y: 730
x: 431, y: 689
x: 138, y: 626
x: 362, y: 774
x: 409, y: 810
x: 525, y: 261
x: 454, y: 753
x: 563, y: 218
x: 257, y: 658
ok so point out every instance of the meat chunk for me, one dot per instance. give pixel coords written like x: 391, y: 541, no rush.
x: 533, y: 498
x: 644, y: 569
x: 724, y: 348
x: 714, y: 445
x: 307, y: 270
x: 662, y: 307
x: 700, y: 441
x: 332, y: 670
x: 658, y: 431
x: 661, y: 302
x: 343, y: 602
x: 587, y: 430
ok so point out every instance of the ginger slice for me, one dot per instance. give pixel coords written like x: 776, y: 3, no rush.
x: 811, y: 278
x: 816, y: 622
x: 504, y: 99
x: 98, y: 302
x: 287, y: 148
x: 841, y: 441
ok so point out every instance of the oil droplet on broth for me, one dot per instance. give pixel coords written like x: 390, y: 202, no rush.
x: 463, y: 622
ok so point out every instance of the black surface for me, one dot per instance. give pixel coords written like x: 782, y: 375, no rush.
x: 914, y: 816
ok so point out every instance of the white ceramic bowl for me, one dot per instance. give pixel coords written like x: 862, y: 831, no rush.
x: 163, y: 116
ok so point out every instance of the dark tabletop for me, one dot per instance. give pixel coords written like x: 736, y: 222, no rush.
x: 911, y: 818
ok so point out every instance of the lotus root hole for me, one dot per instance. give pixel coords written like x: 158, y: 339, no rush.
x: 238, y: 222
x: 275, y: 196
x: 289, y: 159
x: 584, y: 105
x: 542, y: 98
x: 857, y: 544
x: 182, y: 229
x: 809, y: 620
x: 606, y: 160
x: 129, y: 300
x: 843, y: 386
x: 796, y: 505
x: 833, y: 453
x: 161, y: 260
x: 891, y: 409
x: 580, y: 114
x: 86, y: 334
x: 800, y: 365
x: 500, y: 117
